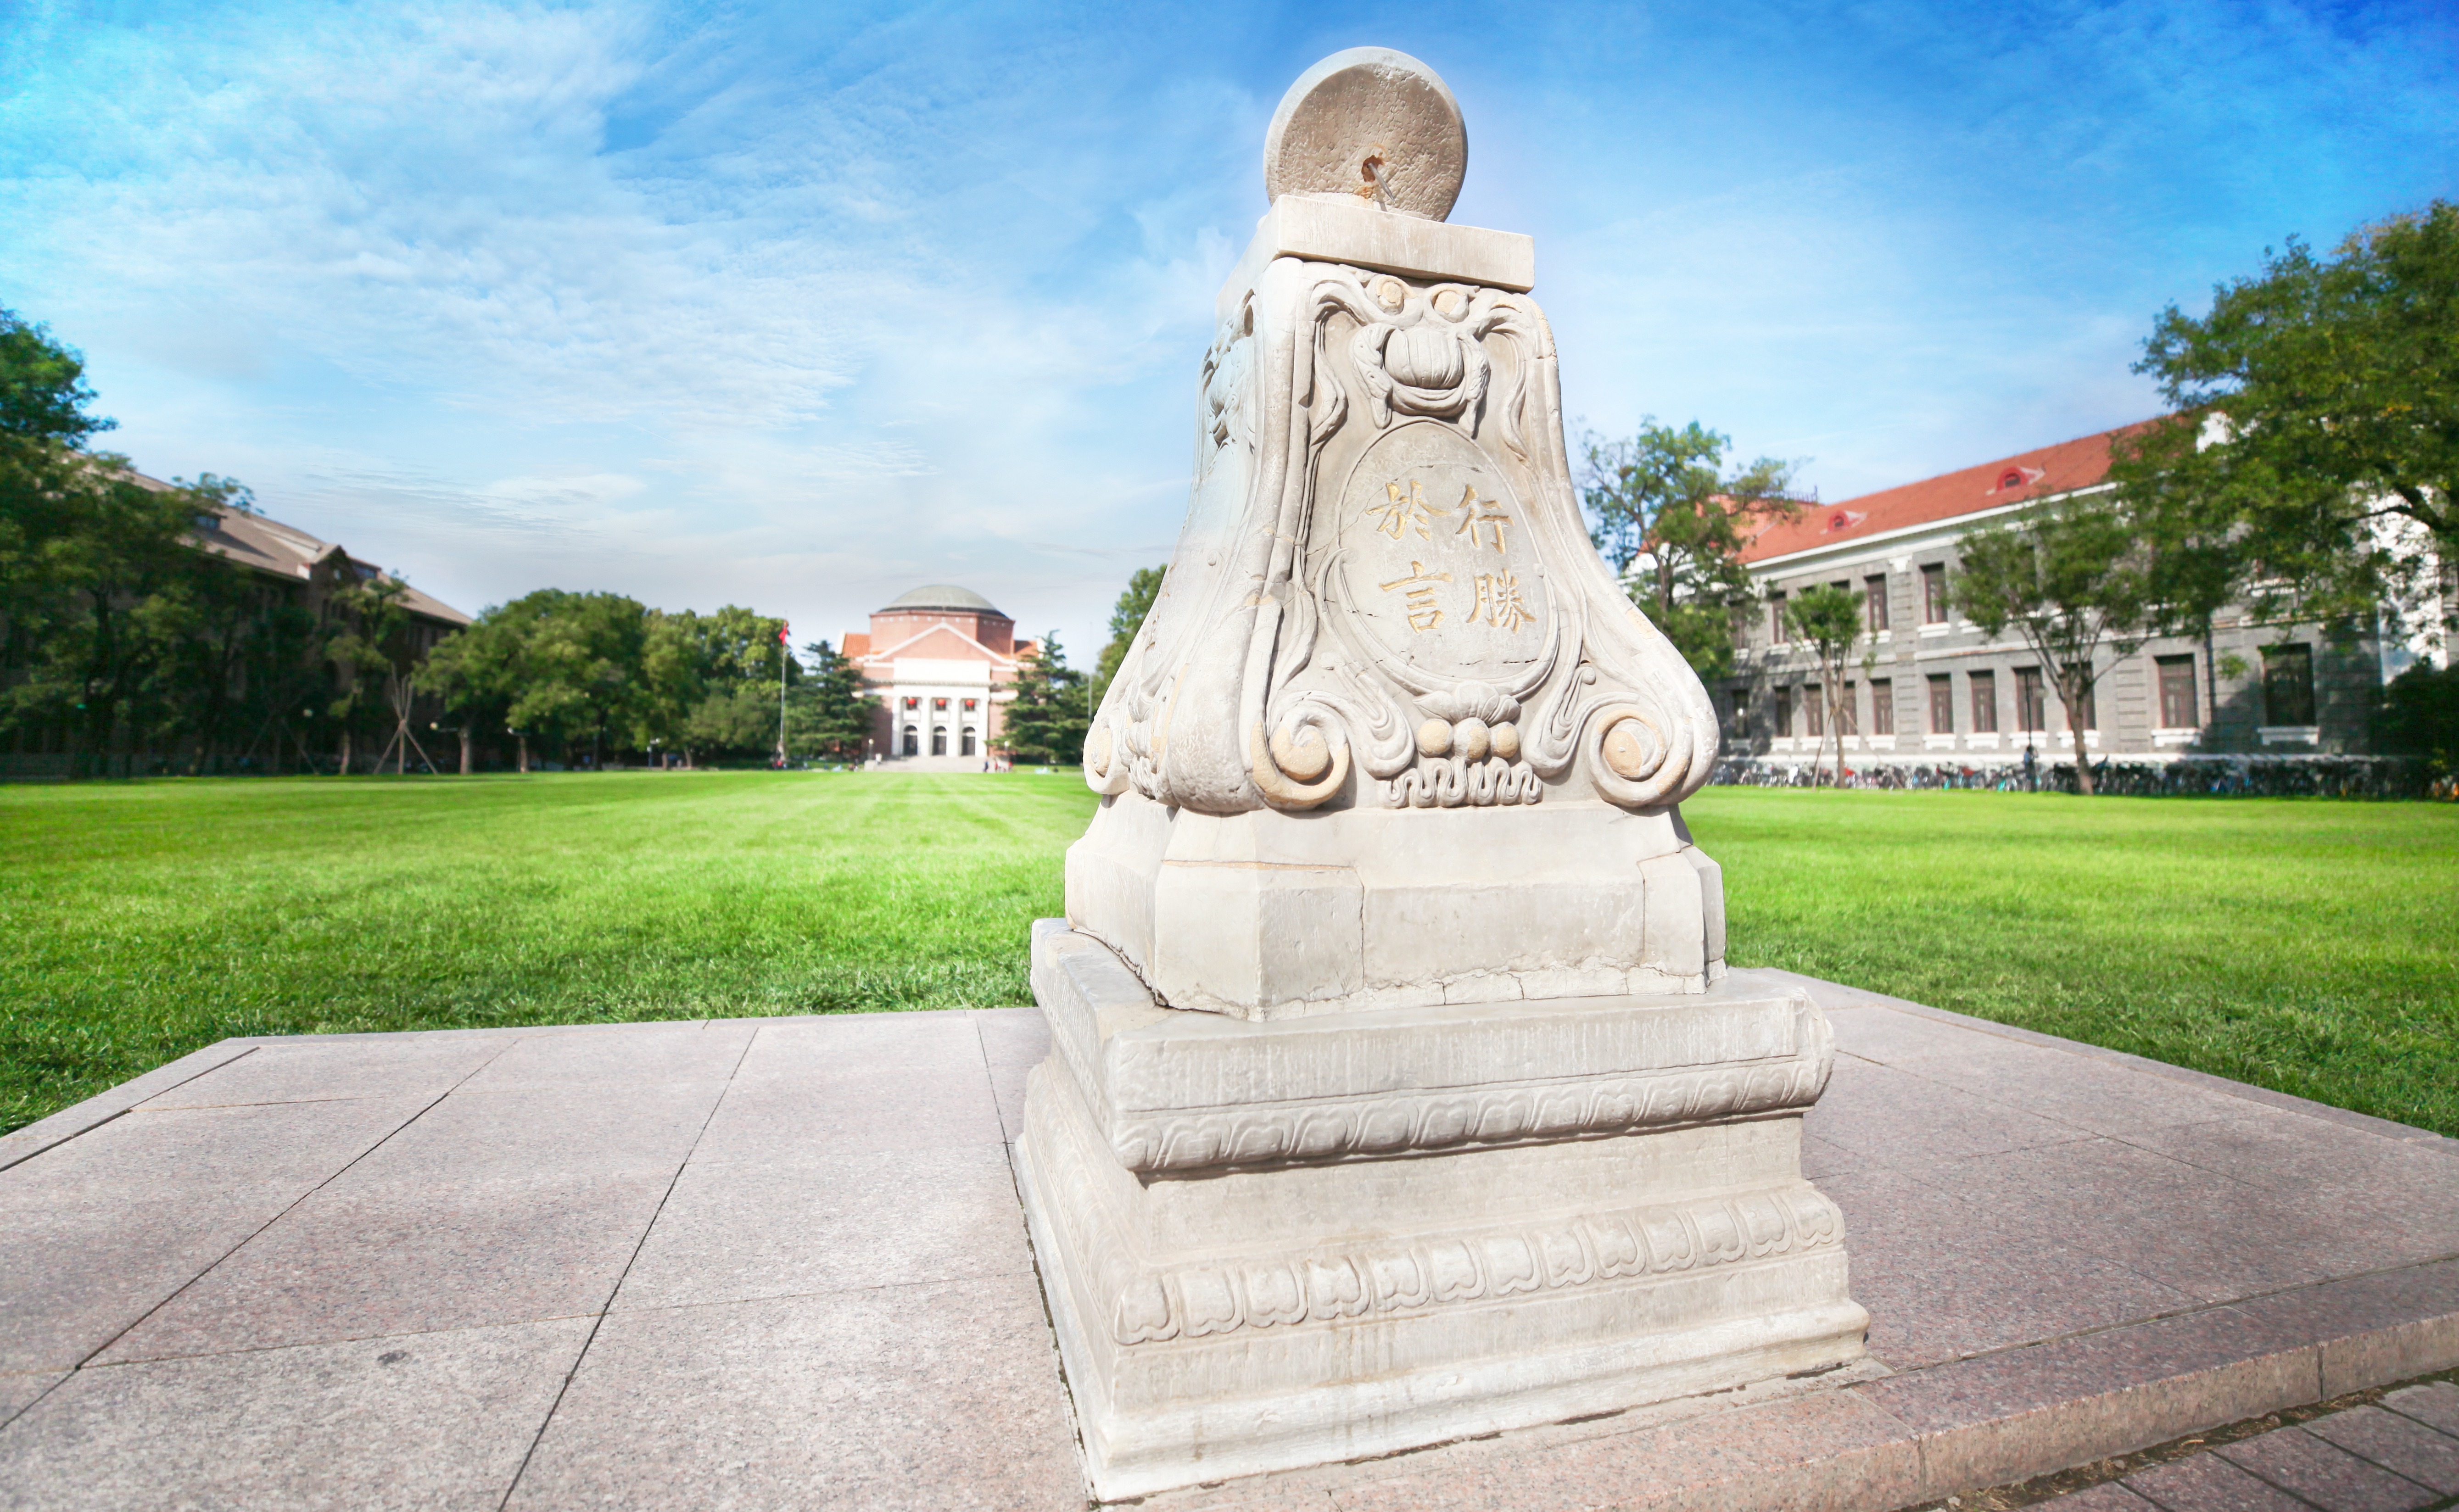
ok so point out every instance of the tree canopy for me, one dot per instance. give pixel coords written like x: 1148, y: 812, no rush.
x: 117, y: 629
x: 833, y: 717
x: 2077, y: 580
x: 1046, y: 720
x: 2316, y: 444
x: 1828, y: 620
x: 1673, y: 522
x: 1126, y: 618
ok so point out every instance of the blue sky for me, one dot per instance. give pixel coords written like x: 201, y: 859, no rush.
x: 801, y: 306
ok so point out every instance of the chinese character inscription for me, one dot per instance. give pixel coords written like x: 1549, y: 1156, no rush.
x: 1440, y: 566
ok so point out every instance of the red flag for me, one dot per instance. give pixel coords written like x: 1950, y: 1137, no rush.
x: 781, y: 628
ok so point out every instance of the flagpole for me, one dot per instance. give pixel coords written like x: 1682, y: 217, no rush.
x: 785, y: 628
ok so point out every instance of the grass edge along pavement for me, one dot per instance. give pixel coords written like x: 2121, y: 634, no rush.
x: 2305, y: 946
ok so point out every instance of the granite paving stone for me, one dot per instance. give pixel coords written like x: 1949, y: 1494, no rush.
x: 315, y: 1071
x: 2211, y: 1237
x: 942, y: 1396
x: 838, y: 1044
x: 2399, y: 1445
x: 2435, y: 1404
x: 2321, y: 1472
x: 73, y: 1278
x: 20, y: 1390
x: 99, y: 1231
x: 676, y: 1051
x: 2205, y: 1483
x: 1899, y: 1119
x: 1012, y: 1037
x: 361, y: 1260
x: 1822, y: 1449
x: 2289, y: 1153
x: 567, y: 1131
x: 1943, y: 1277
x: 835, y: 1306
x: 2024, y: 1412
x: 2067, y: 1088
x: 814, y: 1117
x: 734, y: 1231
x: 1886, y: 1037
x: 439, y: 1420
x: 49, y: 1133
x: 2389, y: 1325
x: 1821, y: 1162
x: 271, y: 1152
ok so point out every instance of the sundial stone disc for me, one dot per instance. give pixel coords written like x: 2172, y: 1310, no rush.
x: 1373, y: 123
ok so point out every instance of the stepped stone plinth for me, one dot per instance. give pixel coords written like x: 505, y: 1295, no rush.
x: 1399, y: 1090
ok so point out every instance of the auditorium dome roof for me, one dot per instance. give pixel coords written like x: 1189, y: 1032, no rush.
x: 943, y: 595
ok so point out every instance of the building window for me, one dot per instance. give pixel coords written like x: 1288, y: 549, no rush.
x: 938, y: 739
x: 1775, y: 618
x: 1741, y: 709
x: 2288, y: 685
x: 913, y: 703
x: 1875, y: 589
x: 1783, y: 724
x: 1883, y: 705
x: 2177, y: 701
x: 969, y: 736
x: 1813, y: 711
x: 939, y: 703
x: 1942, y: 704
x: 1934, y: 594
x: 913, y: 739
x: 1984, y: 703
x: 2032, y: 701
x: 1848, y: 714
x: 969, y: 706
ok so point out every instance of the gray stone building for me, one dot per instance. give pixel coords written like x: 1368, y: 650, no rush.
x: 1928, y: 688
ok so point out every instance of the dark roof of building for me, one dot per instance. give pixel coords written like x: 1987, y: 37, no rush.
x: 942, y: 596
x: 286, y: 551
x: 2040, y: 474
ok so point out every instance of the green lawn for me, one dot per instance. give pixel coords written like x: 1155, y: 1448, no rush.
x: 2310, y: 947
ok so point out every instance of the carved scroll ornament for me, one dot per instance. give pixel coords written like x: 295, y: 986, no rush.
x: 1385, y: 592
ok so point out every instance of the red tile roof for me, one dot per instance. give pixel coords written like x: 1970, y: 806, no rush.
x: 2069, y: 465
x: 855, y: 645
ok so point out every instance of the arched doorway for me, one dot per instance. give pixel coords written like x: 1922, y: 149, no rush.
x: 938, y: 739
x: 969, y: 742
x: 913, y: 742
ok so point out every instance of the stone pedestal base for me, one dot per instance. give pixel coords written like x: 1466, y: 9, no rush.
x: 1280, y: 1244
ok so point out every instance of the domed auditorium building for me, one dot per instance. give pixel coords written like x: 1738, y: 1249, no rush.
x: 942, y: 659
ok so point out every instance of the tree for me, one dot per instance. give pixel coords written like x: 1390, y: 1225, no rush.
x: 574, y: 676
x: 1828, y: 619
x: 2076, y: 579
x: 700, y: 676
x: 369, y: 622
x: 833, y: 717
x: 1046, y: 720
x: 1126, y: 618
x: 1673, y: 523
x: 2316, y: 443
x: 476, y: 675
x: 117, y: 625
x: 2420, y: 716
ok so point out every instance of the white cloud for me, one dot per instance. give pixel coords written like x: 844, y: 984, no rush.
x: 801, y: 306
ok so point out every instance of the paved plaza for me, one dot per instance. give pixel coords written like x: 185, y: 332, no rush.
x: 779, y: 1264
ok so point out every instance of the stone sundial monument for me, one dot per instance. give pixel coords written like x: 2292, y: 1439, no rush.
x: 1399, y: 1090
